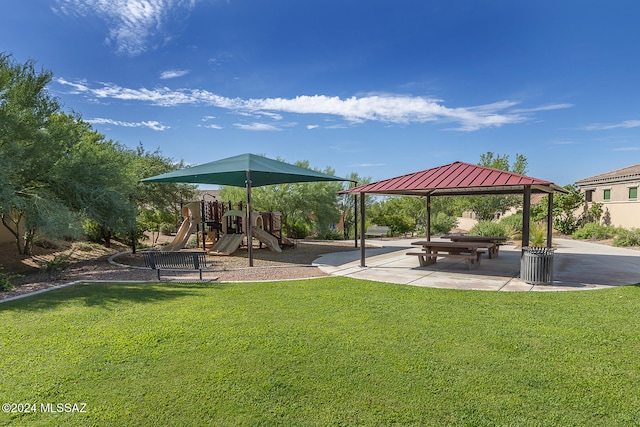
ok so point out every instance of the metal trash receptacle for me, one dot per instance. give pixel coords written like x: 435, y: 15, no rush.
x: 536, y: 265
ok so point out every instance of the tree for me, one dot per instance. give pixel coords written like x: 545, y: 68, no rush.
x: 570, y: 211
x: 347, y: 204
x: 488, y: 208
x: 306, y: 208
x: 27, y: 202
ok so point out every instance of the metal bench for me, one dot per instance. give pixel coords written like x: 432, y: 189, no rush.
x: 377, y: 230
x: 175, y: 261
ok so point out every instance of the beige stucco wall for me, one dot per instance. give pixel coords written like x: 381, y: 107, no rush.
x: 5, y: 235
x: 622, y: 211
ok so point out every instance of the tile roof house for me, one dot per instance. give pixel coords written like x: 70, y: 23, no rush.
x: 617, y: 190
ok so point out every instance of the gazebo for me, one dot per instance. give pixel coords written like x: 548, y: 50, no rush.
x: 460, y: 179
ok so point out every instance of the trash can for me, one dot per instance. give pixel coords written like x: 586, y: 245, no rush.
x: 536, y: 265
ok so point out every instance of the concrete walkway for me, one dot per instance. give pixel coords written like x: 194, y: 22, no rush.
x: 578, y: 265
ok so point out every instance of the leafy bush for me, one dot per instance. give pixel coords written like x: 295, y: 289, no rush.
x: 512, y: 224
x: 5, y: 280
x: 627, y: 237
x: 330, y: 234
x: 167, y: 229
x: 488, y: 228
x: 595, y: 231
x: 57, y: 265
x: 442, y: 223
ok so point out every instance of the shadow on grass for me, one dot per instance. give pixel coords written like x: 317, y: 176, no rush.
x: 108, y: 295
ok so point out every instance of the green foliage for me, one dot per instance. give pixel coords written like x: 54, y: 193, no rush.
x: 570, y: 211
x: 488, y: 208
x: 58, y: 265
x: 488, y: 228
x: 442, y: 223
x: 6, y: 280
x: 166, y: 229
x: 592, y: 230
x: 323, y: 352
x: 331, y: 234
x: 512, y: 224
x: 538, y: 234
x: 627, y: 237
x: 308, y: 208
x: 57, y: 172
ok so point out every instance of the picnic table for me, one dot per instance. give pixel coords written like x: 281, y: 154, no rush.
x: 493, y: 250
x: 469, y: 251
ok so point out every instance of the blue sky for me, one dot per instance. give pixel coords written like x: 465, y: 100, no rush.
x: 379, y: 88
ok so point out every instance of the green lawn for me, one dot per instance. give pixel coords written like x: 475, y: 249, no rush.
x: 331, y: 351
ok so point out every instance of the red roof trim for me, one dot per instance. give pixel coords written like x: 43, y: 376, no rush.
x: 456, y: 175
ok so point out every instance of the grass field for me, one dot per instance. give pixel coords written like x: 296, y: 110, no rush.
x: 330, y: 351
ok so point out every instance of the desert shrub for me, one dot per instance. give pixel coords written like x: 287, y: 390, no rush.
x: 627, y: 237
x: 595, y: 231
x: 330, y: 234
x: 442, y: 223
x: 6, y: 280
x: 488, y: 228
x: 537, y: 234
x: 512, y: 224
x: 57, y: 265
x: 167, y: 229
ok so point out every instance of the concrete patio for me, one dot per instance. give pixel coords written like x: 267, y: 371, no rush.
x: 578, y: 265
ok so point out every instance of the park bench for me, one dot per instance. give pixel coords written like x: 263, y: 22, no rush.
x: 377, y: 230
x: 175, y: 261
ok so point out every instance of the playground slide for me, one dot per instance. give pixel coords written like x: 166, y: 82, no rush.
x: 191, y: 214
x: 187, y: 227
x: 266, y: 238
x: 227, y: 244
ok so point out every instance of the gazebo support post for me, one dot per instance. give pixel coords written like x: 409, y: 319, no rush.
x: 355, y: 218
x: 526, y: 216
x: 362, y: 252
x: 549, y: 219
x: 428, y: 232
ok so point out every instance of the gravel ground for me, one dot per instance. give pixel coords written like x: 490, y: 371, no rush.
x: 291, y: 263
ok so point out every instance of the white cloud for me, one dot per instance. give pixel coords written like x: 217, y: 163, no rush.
x: 548, y: 107
x: 172, y: 74
x: 256, y: 126
x: 134, y: 26
x: 627, y: 149
x: 312, y: 127
x: 627, y: 124
x: 157, y: 126
x: 387, y: 108
x: 213, y: 127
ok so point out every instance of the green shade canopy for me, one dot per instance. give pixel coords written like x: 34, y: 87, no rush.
x: 232, y: 171
x: 244, y: 170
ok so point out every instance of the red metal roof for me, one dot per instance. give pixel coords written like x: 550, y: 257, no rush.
x: 457, y: 178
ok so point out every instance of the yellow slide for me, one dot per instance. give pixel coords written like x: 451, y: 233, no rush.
x: 191, y: 216
x: 227, y: 244
x: 266, y: 238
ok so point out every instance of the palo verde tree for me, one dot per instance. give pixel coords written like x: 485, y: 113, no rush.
x: 28, y: 153
x: 488, y: 208
x: 307, y: 208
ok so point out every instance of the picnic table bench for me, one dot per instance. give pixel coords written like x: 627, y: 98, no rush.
x: 493, y: 250
x: 469, y: 251
x: 175, y: 261
x: 377, y: 230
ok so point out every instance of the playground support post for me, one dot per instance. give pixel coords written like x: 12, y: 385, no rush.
x: 248, y: 225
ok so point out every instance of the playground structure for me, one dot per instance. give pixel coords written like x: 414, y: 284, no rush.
x: 222, y: 229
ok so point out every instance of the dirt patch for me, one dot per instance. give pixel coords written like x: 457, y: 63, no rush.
x: 91, y: 262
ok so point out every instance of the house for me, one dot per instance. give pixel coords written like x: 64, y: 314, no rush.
x: 618, y: 192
